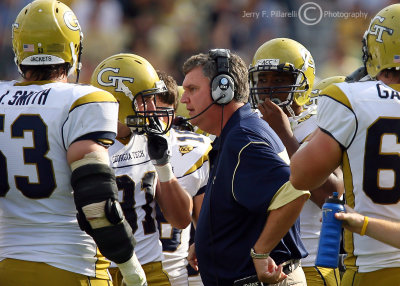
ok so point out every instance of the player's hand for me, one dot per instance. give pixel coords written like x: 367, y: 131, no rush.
x: 276, y: 118
x: 268, y: 272
x: 351, y: 220
x: 159, y: 149
x: 192, y: 258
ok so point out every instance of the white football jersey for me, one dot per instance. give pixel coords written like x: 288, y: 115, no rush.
x: 303, y: 125
x: 189, y: 161
x: 38, y: 123
x: 137, y: 181
x: 364, y: 118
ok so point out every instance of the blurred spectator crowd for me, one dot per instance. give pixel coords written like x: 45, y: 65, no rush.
x: 166, y: 32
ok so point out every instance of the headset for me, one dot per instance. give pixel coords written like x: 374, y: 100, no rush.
x: 222, y: 84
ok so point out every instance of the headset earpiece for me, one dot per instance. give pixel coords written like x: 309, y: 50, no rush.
x: 222, y: 89
x: 222, y: 85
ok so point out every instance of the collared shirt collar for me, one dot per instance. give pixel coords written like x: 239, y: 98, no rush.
x: 237, y: 116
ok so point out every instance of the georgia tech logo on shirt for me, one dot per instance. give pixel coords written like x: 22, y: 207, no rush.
x: 185, y: 149
x: 378, y: 30
x: 128, y: 156
x: 112, y: 80
x: 71, y: 21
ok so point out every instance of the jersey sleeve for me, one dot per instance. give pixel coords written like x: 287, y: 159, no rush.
x: 92, y: 116
x: 189, y: 159
x: 194, y: 181
x: 258, y: 175
x: 336, y: 116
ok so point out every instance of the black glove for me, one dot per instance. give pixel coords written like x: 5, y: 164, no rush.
x: 159, y: 149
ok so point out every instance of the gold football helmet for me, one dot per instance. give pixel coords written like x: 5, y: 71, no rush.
x: 320, y: 86
x: 286, y: 56
x: 381, y: 42
x: 47, y: 32
x: 134, y: 83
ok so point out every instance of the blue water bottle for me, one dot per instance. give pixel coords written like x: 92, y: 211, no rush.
x: 331, y: 231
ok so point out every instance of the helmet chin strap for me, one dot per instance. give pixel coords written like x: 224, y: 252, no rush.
x: 276, y: 100
x: 288, y: 107
x: 290, y: 110
x: 19, y: 68
x: 74, y: 59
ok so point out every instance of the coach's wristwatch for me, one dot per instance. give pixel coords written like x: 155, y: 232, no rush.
x: 255, y: 255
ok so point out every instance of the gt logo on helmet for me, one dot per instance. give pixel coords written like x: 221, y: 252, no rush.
x: 71, y: 21
x: 308, y: 60
x: 378, y: 30
x: 116, y: 81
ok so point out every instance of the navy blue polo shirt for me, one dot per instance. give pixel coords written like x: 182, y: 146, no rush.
x: 246, y: 172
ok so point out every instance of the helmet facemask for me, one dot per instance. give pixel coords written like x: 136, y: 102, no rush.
x: 300, y: 85
x: 147, y: 115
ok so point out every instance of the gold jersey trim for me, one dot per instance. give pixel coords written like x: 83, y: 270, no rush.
x: 350, y: 260
x: 97, y: 96
x: 395, y: 86
x: 238, y: 163
x: 102, y: 264
x: 337, y: 94
x: 199, y: 162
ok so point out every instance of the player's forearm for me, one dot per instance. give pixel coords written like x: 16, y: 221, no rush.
x: 314, y: 162
x: 175, y: 203
x: 197, y: 202
x: 385, y: 231
x: 290, y: 142
x: 278, y: 224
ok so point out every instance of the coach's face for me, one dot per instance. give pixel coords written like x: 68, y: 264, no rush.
x: 197, y: 97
